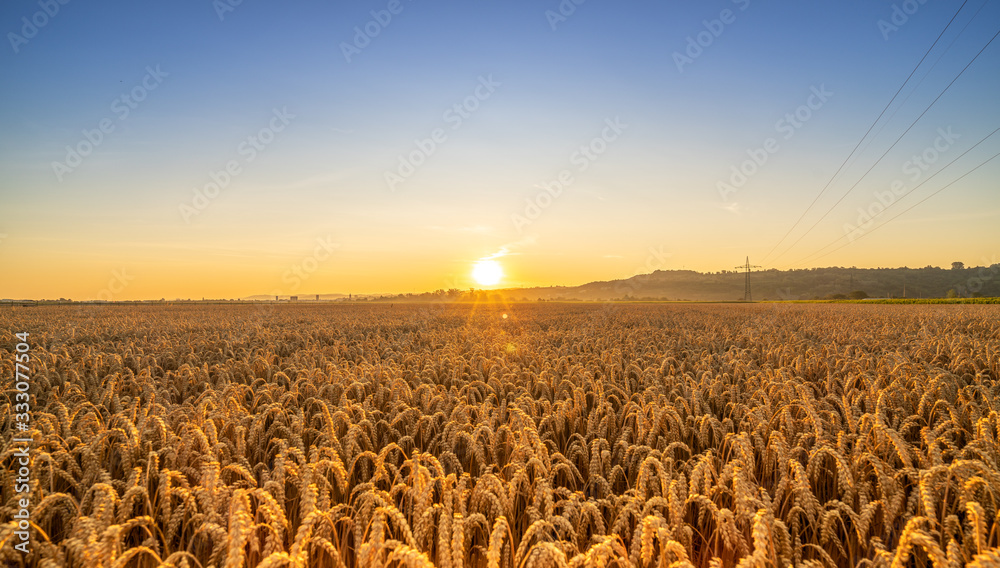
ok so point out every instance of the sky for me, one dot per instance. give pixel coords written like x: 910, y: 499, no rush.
x: 223, y: 149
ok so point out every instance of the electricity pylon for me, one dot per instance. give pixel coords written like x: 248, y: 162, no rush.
x: 746, y: 287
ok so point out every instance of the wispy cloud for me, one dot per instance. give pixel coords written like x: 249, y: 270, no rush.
x: 734, y: 208
x: 510, y: 248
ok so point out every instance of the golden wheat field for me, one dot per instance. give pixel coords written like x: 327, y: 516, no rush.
x: 516, y: 435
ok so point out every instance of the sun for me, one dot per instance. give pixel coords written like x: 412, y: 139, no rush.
x: 487, y: 272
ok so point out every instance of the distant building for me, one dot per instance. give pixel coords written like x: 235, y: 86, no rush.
x: 294, y: 298
x: 317, y: 297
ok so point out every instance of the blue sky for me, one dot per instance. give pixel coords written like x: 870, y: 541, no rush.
x: 655, y: 186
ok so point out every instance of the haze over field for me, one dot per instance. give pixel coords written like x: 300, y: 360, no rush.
x: 216, y: 149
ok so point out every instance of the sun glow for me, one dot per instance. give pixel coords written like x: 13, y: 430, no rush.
x: 487, y: 272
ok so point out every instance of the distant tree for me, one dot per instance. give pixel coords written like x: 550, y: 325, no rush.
x: 858, y: 295
x: 958, y: 266
x: 951, y: 293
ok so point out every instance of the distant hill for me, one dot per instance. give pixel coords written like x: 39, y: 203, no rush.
x: 806, y: 284
x: 727, y: 285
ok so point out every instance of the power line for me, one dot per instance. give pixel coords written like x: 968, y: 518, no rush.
x: 808, y: 257
x: 911, y: 207
x: 850, y: 189
x: 825, y: 187
x: 920, y: 82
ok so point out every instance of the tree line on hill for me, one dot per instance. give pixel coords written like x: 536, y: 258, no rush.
x: 830, y: 283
